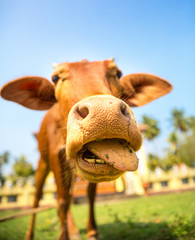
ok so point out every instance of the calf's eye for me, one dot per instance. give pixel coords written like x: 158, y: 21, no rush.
x: 55, y: 78
x: 119, y: 74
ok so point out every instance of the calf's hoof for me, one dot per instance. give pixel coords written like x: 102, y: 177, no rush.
x: 92, y: 235
x: 29, y: 236
x: 75, y: 237
x: 65, y: 236
x: 93, y: 238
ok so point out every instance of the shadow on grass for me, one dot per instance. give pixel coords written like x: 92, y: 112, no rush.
x: 135, y: 231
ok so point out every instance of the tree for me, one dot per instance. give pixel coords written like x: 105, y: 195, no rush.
x: 174, y: 141
x: 153, y: 161
x: 152, y: 130
x: 191, y: 122
x: 182, y: 144
x: 179, y: 121
x: 22, y: 168
x: 4, y: 158
x: 181, y: 125
x: 186, y: 151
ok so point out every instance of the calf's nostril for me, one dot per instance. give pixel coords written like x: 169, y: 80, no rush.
x: 83, y: 111
x: 124, y: 110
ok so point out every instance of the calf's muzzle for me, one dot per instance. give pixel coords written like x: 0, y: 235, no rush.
x: 99, y: 125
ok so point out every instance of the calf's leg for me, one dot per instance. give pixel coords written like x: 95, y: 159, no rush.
x: 64, y: 180
x: 41, y: 173
x: 92, y: 233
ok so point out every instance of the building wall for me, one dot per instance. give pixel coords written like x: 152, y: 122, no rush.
x: 179, y: 178
x: 21, y: 194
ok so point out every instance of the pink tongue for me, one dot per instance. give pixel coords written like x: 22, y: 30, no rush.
x: 116, y: 152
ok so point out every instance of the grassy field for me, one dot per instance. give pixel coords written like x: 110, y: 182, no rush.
x: 165, y: 217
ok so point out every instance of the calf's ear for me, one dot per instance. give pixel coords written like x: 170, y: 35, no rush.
x: 32, y: 92
x: 140, y: 88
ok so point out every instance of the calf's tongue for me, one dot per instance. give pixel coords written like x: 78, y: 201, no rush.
x: 116, y: 152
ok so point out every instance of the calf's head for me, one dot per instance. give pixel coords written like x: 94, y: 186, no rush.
x: 100, y: 130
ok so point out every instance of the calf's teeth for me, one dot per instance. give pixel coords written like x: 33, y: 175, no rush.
x: 99, y: 161
x: 89, y: 160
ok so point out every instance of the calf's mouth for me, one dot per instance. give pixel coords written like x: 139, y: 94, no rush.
x: 106, y: 159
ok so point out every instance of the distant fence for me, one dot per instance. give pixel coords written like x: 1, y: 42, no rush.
x: 25, y: 213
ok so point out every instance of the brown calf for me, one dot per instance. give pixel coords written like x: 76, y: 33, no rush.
x: 89, y: 127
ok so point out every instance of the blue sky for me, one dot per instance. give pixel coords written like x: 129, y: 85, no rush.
x: 144, y: 36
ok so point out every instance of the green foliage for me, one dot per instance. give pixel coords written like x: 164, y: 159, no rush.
x: 22, y: 168
x: 183, y: 227
x: 186, y: 152
x: 165, y: 163
x: 182, y: 125
x: 172, y: 159
x: 191, y: 122
x: 181, y: 139
x: 4, y: 159
x: 153, y: 129
x: 153, y: 161
x: 179, y: 121
x: 174, y: 141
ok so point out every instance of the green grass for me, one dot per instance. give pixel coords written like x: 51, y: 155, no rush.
x: 165, y: 217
